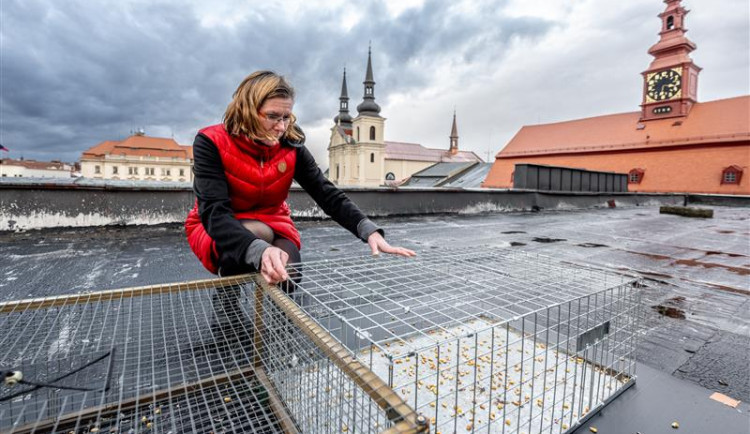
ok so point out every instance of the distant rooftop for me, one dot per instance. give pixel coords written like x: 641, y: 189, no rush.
x: 140, y: 145
x: 37, y: 165
x: 450, y: 175
x: 417, y: 152
x: 472, y: 178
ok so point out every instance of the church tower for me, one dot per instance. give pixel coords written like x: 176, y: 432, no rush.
x: 343, y: 118
x: 356, y: 152
x: 454, y: 136
x: 670, y: 84
x: 368, y: 125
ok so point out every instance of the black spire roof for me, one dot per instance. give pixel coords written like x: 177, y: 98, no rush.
x: 343, y: 117
x: 369, y: 107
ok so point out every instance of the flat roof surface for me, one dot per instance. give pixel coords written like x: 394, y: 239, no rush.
x: 696, y: 334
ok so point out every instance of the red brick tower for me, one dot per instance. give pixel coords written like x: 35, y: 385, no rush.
x: 670, y: 84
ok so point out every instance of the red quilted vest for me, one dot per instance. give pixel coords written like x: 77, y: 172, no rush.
x: 259, y: 178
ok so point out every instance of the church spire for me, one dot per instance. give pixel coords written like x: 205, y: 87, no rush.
x: 672, y: 42
x: 369, y: 107
x: 454, y: 135
x: 343, y: 118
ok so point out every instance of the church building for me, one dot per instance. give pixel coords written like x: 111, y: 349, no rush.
x: 359, y: 155
x: 673, y: 144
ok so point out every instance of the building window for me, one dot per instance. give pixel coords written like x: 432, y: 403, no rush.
x: 114, y: 170
x: 635, y: 176
x: 372, y: 133
x: 98, y: 170
x: 182, y: 172
x: 149, y: 171
x: 132, y: 170
x: 731, y: 175
x: 372, y: 157
x: 169, y: 172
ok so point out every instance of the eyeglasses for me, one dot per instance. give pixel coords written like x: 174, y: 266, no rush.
x: 275, y: 119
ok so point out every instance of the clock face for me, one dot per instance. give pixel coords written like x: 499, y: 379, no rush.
x: 664, y: 85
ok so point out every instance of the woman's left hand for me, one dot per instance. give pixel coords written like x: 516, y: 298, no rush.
x: 379, y: 244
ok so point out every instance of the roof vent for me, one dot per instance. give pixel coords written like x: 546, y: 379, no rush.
x: 677, y: 123
x: 640, y: 126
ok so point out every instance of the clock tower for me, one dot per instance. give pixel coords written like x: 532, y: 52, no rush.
x: 670, y: 84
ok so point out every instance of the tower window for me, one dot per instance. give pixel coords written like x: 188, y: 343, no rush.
x: 337, y: 172
x: 372, y: 157
x: 731, y: 175
x: 358, y: 134
x: 670, y: 22
x: 635, y: 176
x: 372, y: 133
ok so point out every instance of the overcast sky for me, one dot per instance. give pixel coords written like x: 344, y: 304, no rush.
x: 74, y: 73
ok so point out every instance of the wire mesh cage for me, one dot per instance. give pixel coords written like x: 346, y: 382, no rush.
x: 482, y: 340
x: 479, y: 340
x: 168, y: 358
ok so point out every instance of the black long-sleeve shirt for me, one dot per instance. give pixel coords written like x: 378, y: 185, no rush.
x: 214, y: 204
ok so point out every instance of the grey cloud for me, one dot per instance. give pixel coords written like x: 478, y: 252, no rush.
x: 78, y: 73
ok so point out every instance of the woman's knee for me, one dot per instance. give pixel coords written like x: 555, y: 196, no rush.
x: 260, y: 229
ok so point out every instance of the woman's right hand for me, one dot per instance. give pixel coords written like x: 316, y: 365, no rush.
x: 273, y: 265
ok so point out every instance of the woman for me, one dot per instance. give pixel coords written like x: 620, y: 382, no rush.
x: 243, y: 171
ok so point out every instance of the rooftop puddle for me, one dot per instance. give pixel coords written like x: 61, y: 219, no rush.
x: 693, y: 263
x: 669, y: 311
x: 547, y: 240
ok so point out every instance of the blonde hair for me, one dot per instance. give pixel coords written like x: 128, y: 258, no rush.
x: 242, y: 117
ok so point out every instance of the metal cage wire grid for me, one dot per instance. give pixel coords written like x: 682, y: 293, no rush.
x: 484, y: 340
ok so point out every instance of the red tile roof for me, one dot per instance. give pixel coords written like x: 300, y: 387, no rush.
x: 726, y: 120
x: 37, y: 165
x: 140, y: 146
x: 417, y: 152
